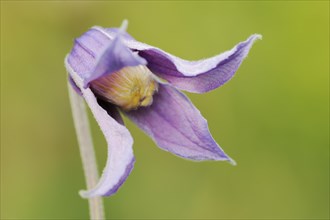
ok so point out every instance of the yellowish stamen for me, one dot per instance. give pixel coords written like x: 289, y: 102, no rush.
x: 128, y: 88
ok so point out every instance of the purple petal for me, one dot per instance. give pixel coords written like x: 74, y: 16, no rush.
x: 198, y: 76
x: 177, y: 126
x: 193, y: 76
x: 120, y: 159
x: 95, y: 55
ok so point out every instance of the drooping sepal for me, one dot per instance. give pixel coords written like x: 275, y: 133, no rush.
x: 120, y: 158
x: 192, y: 76
x: 177, y: 126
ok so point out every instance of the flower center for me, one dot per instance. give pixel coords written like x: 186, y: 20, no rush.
x: 128, y: 88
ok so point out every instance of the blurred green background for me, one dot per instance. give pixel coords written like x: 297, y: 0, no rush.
x: 272, y: 118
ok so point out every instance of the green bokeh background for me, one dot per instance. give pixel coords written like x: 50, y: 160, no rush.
x: 272, y: 118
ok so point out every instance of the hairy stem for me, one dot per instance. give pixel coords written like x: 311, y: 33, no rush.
x: 86, y: 151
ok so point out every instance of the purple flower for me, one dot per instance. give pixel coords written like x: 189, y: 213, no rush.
x: 115, y: 73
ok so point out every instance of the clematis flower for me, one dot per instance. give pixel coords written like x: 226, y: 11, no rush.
x: 115, y: 73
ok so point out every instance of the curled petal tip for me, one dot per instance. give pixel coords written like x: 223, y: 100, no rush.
x: 232, y: 162
x: 255, y: 37
x: 83, y: 194
x: 111, y: 180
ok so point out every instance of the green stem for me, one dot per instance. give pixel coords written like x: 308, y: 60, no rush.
x: 87, y: 153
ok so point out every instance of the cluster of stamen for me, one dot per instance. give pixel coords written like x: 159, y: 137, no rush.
x: 128, y: 88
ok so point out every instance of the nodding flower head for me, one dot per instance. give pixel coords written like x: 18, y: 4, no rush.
x: 115, y: 73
